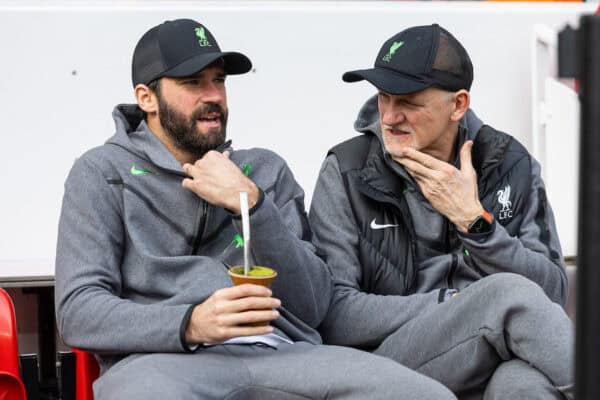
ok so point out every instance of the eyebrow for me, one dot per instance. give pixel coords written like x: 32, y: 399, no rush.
x: 402, y: 97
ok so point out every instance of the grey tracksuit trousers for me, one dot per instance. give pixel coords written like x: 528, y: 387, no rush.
x: 499, y: 338
x: 241, y: 372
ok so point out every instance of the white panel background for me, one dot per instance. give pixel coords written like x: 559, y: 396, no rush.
x: 66, y: 64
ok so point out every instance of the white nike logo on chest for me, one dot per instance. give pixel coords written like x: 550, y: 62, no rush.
x: 375, y: 225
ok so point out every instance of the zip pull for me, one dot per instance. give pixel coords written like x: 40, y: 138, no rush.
x: 221, y: 148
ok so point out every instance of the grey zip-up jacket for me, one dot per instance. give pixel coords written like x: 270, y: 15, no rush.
x: 361, y: 318
x: 136, y: 251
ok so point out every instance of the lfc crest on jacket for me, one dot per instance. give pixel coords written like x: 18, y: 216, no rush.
x: 504, y: 200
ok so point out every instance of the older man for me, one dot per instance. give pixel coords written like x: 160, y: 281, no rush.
x: 150, y: 223
x: 439, y: 234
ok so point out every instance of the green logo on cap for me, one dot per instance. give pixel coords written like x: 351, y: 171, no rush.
x: 395, y: 46
x: 202, y: 40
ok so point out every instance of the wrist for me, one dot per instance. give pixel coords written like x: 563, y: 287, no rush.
x: 186, y: 334
x: 467, y: 219
x: 482, y: 224
x: 253, y: 196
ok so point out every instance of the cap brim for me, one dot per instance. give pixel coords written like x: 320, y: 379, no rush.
x: 388, y: 81
x: 235, y: 63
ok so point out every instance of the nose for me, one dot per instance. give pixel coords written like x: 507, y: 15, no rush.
x: 392, y: 116
x: 213, y: 93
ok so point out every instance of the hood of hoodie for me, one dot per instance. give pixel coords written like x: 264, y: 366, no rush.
x: 134, y: 135
x: 368, y: 122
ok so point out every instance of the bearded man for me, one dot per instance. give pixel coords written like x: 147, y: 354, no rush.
x: 150, y: 223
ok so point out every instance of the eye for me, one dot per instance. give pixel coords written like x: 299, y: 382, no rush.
x: 411, y: 103
x: 191, y: 82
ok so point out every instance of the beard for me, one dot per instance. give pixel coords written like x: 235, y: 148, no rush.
x: 184, y: 131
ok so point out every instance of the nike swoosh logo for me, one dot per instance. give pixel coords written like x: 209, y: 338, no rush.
x: 139, y: 171
x: 375, y: 225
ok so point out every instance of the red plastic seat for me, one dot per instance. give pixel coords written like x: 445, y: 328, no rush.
x: 11, y: 386
x: 86, y: 372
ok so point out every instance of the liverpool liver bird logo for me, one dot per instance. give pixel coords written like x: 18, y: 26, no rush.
x: 504, y: 200
x: 202, y: 39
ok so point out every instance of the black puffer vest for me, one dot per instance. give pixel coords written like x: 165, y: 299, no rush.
x: 375, y: 193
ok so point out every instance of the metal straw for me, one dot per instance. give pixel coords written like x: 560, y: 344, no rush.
x: 245, y: 230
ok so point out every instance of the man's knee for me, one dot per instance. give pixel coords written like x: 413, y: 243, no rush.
x: 138, y: 390
x: 514, y: 289
x: 413, y: 385
x: 511, y: 298
x: 418, y: 387
x: 169, y: 376
x: 260, y: 393
x: 515, y: 380
x: 382, y: 378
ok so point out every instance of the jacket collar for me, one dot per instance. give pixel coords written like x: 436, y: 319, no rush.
x: 134, y: 135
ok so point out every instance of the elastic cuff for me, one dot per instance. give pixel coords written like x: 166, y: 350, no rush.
x: 261, y: 199
x: 183, y: 327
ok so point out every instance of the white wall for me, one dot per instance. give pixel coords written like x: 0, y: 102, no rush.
x: 65, y: 65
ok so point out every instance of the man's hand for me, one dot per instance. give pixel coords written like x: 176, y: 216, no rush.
x: 216, y: 179
x: 451, y: 191
x: 222, y: 316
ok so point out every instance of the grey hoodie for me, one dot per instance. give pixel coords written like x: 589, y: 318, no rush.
x: 363, y: 319
x: 136, y: 251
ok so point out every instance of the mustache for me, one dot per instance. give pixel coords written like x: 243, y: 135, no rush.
x: 396, y: 128
x: 209, y: 108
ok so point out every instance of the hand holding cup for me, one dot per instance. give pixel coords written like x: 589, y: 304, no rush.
x: 231, y: 312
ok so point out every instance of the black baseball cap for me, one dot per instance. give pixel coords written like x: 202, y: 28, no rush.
x: 418, y: 58
x: 180, y: 48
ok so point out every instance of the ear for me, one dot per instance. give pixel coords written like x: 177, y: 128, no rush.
x: 461, y: 101
x: 146, y: 98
